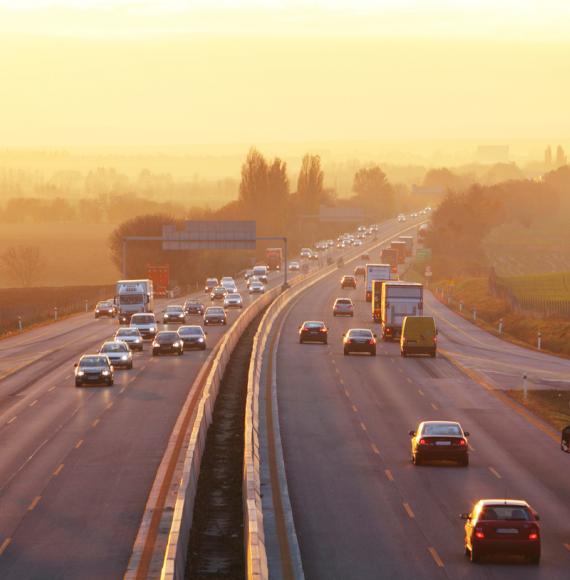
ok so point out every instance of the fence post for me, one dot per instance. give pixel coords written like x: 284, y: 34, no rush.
x: 461, y: 306
x: 474, y: 314
x: 500, y: 326
x: 20, y: 325
x: 525, y: 387
x: 55, y: 312
x: 539, y: 340
x: 87, y: 306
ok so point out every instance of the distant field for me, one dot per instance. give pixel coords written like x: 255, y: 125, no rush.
x: 75, y: 254
x: 555, y: 286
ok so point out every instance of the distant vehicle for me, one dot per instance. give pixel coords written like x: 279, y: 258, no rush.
x: 294, y: 266
x: 133, y: 296
x: 194, y: 307
x: 218, y: 293
x: 359, y: 340
x: 131, y: 335
x: 419, y: 336
x: 398, y: 300
x: 93, y: 368
x: 160, y: 276
x: 313, y: 331
x: 215, y: 315
x: 193, y: 337
x: 146, y: 323
x: 343, y: 307
x: 174, y: 313
x: 401, y: 248
x: 274, y: 258
x: 256, y: 287
x: 360, y: 271
x: 229, y: 284
x: 409, y: 241
x: 423, y: 231
x: 248, y: 274
x: 358, y: 242
x: 365, y: 257
x: 401, y: 218
x: 118, y: 352
x: 227, y: 279
x: 211, y: 283
x: 105, y: 308
x: 414, y: 215
x: 314, y: 256
x: 233, y: 300
x: 348, y: 282
x: 375, y: 272
x: 439, y: 440
x: 502, y: 526
x: 305, y: 252
x: 167, y: 342
x: 390, y: 256
x: 261, y: 273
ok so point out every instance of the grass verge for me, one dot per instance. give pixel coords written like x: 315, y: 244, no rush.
x: 552, y: 406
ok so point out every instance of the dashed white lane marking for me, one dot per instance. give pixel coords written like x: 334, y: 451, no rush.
x: 11, y: 420
x: 435, y: 557
x: 434, y: 406
x: 122, y: 390
x: 375, y: 449
x: 34, y: 503
x: 33, y: 402
x: 4, y: 545
x: 95, y: 423
x: 51, y: 389
x: 110, y: 405
x: 567, y: 546
x: 389, y: 475
x: 341, y: 380
x: 409, y: 380
x: 409, y: 510
x: 495, y: 472
x: 401, y: 370
x: 355, y: 408
x: 420, y: 392
x: 79, y: 444
x: 363, y: 426
x: 58, y: 470
x: 347, y: 393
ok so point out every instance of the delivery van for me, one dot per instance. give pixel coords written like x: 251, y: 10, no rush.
x: 419, y: 336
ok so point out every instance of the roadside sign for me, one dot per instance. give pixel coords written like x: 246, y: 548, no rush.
x: 423, y: 255
x: 210, y: 235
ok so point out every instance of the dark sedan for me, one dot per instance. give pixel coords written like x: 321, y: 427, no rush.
x: 313, y: 331
x: 359, y: 340
x: 167, y: 342
x: 105, y: 308
x: 440, y: 440
x: 348, y: 282
x: 194, y: 307
x: 215, y: 315
x: 193, y: 337
x: 174, y: 313
x: 93, y: 368
x: 218, y: 293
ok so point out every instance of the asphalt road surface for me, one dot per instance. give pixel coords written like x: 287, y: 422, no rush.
x: 361, y: 509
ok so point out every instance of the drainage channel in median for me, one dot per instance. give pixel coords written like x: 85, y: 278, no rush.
x: 216, y: 545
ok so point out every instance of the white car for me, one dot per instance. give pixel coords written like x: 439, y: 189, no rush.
x: 118, y: 352
x: 233, y: 300
x: 229, y: 285
x: 146, y: 323
x: 294, y: 266
x: 131, y: 336
x: 357, y: 243
x: 256, y: 287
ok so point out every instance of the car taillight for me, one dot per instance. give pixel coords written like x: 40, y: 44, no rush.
x: 533, y: 535
x: 434, y: 339
x: 323, y: 329
x: 423, y: 442
x: 348, y: 341
x: 371, y: 341
x: 479, y: 533
x: 388, y: 331
x: 462, y: 442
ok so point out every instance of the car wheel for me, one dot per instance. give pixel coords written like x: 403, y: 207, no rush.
x: 534, y: 559
x: 416, y: 459
x: 403, y: 353
x: 346, y: 352
x: 325, y: 341
x: 78, y: 383
x: 474, y: 555
x: 301, y: 341
x: 110, y: 382
x: 465, y: 461
x: 131, y: 365
x: 433, y: 354
x: 373, y: 352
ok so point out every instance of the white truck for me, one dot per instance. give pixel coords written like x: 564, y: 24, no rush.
x: 133, y: 296
x: 375, y: 272
x: 399, y: 299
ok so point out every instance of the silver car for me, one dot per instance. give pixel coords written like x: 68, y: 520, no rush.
x: 146, y: 323
x: 233, y: 300
x: 343, y: 307
x: 118, y: 352
x: 131, y: 336
x: 256, y: 288
x: 215, y: 315
x: 174, y: 313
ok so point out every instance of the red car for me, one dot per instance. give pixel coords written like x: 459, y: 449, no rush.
x: 502, y: 526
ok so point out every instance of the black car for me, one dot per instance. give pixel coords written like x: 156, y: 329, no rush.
x: 439, y: 440
x: 167, y: 342
x: 174, y: 313
x: 313, y: 331
x: 218, y: 293
x: 105, y: 308
x: 215, y: 315
x: 359, y: 340
x: 193, y: 337
x: 211, y: 283
x: 93, y: 368
x: 194, y: 307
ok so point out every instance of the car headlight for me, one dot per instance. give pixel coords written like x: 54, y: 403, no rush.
x: 176, y: 344
x: 106, y: 373
x: 152, y: 329
x: 80, y: 373
x: 137, y: 339
x: 124, y: 357
x: 200, y: 340
x: 97, y: 310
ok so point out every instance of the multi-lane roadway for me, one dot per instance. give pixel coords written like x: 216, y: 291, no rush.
x: 361, y: 509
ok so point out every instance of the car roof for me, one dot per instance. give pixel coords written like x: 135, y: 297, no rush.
x: 343, y: 298
x: 174, y: 306
x: 360, y: 330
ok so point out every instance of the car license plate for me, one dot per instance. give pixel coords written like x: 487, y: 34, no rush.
x: 442, y: 443
x: 507, y: 531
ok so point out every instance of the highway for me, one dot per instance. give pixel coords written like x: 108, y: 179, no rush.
x: 77, y: 464
x: 361, y: 509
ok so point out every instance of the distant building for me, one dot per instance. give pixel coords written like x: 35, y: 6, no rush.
x: 493, y: 154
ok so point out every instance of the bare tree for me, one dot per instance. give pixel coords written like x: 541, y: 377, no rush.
x: 23, y: 264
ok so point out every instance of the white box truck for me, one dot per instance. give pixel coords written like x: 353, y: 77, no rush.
x: 375, y: 272
x: 133, y: 296
x: 399, y: 299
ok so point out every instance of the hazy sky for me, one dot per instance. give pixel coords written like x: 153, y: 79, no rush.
x: 144, y: 72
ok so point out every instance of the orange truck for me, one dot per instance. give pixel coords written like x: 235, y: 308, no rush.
x: 274, y: 258
x: 160, y: 276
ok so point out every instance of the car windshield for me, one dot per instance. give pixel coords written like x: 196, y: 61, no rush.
x: 174, y: 309
x: 104, y: 305
x: 193, y: 303
x: 128, y: 332
x: 219, y: 289
x: 113, y: 347
x: 441, y: 429
x: 234, y: 296
x: 360, y: 333
x: 344, y: 301
x: 215, y: 311
x: 190, y: 330
x: 512, y: 513
x: 314, y: 324
x: 167, y: 336
x: 212, y: 281
x: 93, y: 361
x: 144, y: 319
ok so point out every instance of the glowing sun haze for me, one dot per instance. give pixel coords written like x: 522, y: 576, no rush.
x: 118, y: 72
